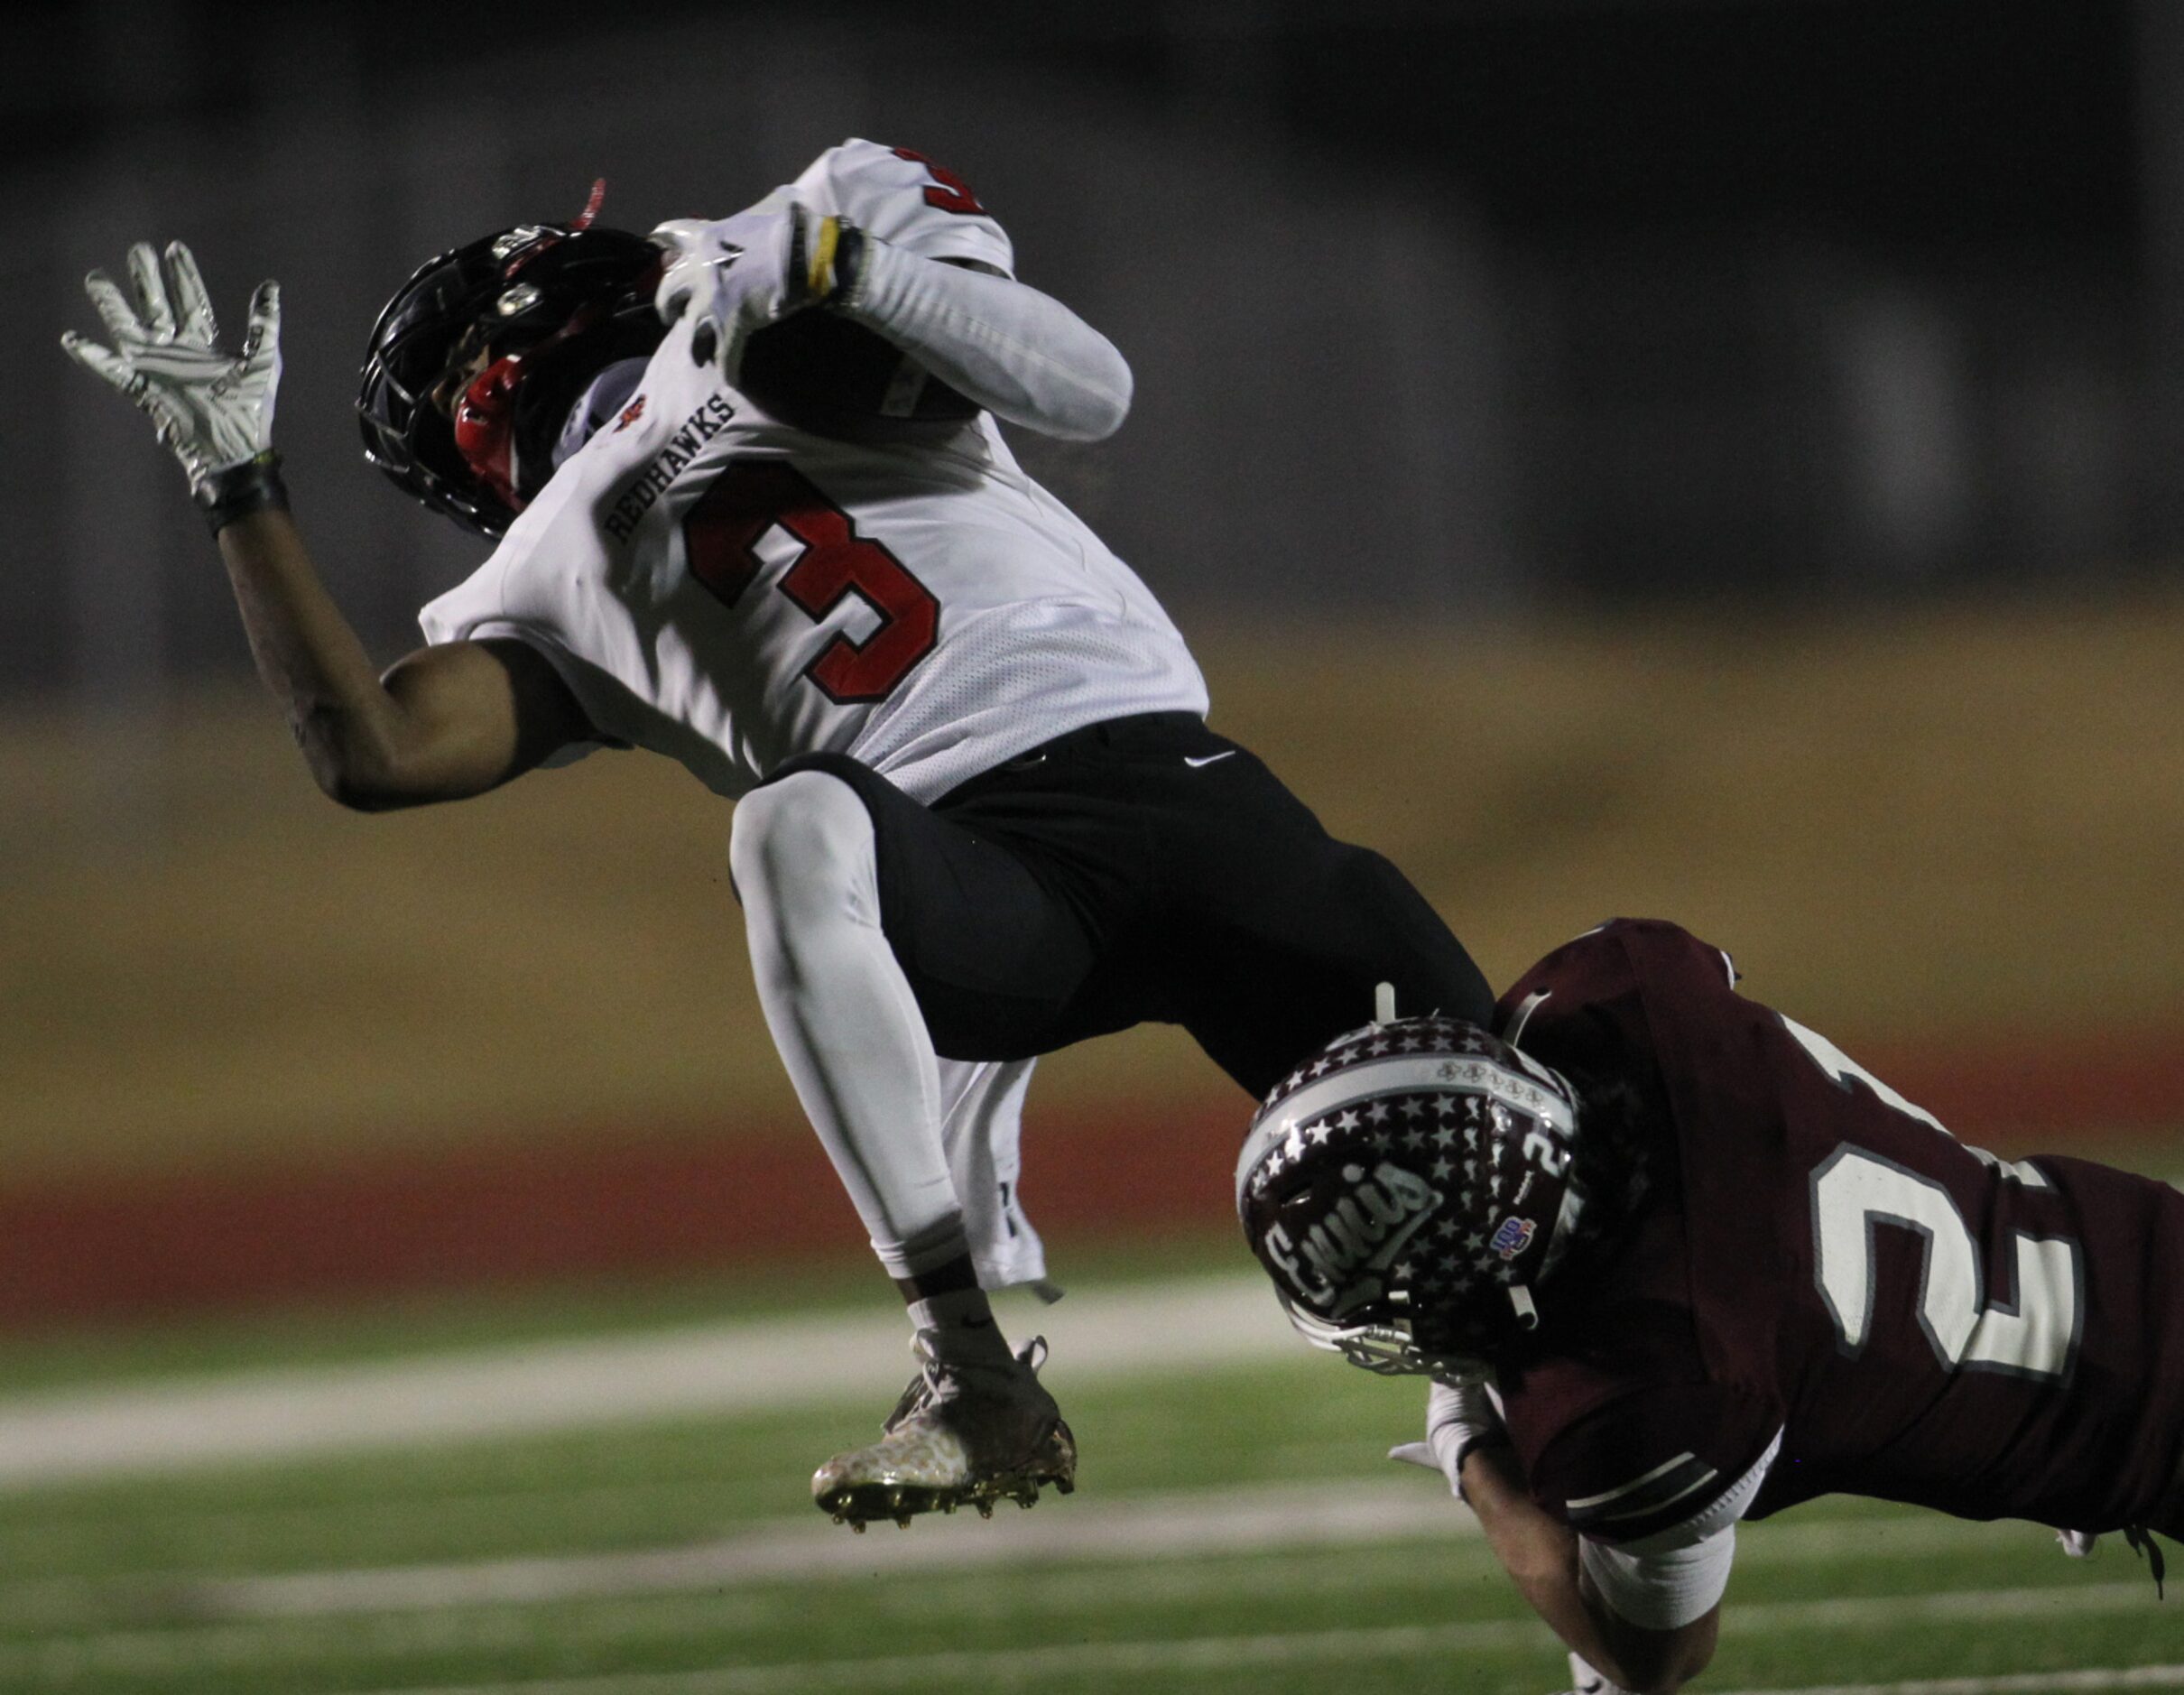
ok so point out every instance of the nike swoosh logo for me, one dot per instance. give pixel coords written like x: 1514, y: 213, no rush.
x: 1210, y: 759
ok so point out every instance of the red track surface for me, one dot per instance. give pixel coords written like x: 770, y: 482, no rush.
x: 502, y: 1212
x: 506, y: 1212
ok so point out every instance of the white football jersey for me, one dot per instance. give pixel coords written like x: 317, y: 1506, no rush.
x: 719, y: 587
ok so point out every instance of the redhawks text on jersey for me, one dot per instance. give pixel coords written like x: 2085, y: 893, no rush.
x: 720, y: 587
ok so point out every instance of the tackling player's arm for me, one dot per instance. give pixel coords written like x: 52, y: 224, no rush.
x: 1671, y: 1579
x: 445, y: 722
x: 1541, y: 1555
x: 442, y: 724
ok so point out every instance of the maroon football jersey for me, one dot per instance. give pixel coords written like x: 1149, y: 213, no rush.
x: 1920, y: 1321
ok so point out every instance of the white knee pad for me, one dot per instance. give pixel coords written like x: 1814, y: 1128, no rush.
x: 803, y: 851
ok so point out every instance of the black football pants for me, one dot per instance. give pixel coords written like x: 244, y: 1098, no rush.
x: 1147, y: 869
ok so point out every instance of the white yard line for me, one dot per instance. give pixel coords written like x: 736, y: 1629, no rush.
x: 2012, y: 1684
x: 1182, y: 1525
x: 1111, y: 1552
x: 66, y: 1437
x: 198, y: 1653
x: 1099, y: 1553
x: 1026, y: 1667
x: 1140, y: 1530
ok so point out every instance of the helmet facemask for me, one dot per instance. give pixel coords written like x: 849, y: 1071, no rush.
x: 1407, y: 1190
x: 475, y: 362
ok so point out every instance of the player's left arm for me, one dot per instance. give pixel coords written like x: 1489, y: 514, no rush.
x: 1022, y: 355
x: 447, y: 722
x: 1542, y: 1557
x: 1640, y: 1613
x: 1002, y: 344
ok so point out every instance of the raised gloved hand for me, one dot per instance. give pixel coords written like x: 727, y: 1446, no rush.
x: 1459, y: 1417
x: 744, y: 273
x: 213, y: 405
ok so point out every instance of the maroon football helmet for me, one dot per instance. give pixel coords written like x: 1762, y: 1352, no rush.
x: 1407, y: 1188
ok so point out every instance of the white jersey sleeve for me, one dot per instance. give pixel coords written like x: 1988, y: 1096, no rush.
x: 721, y: 587
x: 1001, y: 343
x: 904, y: 199
x: 1006, y: 348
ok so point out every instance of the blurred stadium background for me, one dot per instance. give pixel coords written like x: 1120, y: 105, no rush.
x: 1707, y: 458
x: 1716, y: 460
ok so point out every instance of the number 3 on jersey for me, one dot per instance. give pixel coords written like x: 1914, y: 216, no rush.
x: 752, y: 497
x: 1856, y: 1192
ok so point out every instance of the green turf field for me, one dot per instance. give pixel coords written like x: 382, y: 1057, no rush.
x: 1235, y: 1530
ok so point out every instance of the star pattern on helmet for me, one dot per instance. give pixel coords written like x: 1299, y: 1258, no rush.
x: 1453, y: 1111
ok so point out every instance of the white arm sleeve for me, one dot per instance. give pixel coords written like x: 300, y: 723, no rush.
x: 1022, y: 355
x: 1676, y: 1575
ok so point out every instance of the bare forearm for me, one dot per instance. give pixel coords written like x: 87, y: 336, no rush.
x: 446, y: 721
x: 309, y: 656
x: 1541, y: 1555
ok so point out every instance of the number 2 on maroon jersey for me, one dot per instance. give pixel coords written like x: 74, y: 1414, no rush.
x: 2031, y: 1329
x: 749, y: 497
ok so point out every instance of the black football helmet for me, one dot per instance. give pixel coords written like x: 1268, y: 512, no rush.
x: 475, y: 362
x: 1407, y: 1189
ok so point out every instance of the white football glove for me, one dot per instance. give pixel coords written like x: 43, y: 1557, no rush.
x: 214, y: 407
x: 742, y: 274
x: 1458, y: 1418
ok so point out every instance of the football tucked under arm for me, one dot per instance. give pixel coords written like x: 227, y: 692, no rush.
x: 1020, y: 354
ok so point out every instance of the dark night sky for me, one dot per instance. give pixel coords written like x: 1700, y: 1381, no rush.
x: 1881, y: 122
x: 1884, y: 121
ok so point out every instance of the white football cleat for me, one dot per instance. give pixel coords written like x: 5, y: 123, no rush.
x: 961, y: 1434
